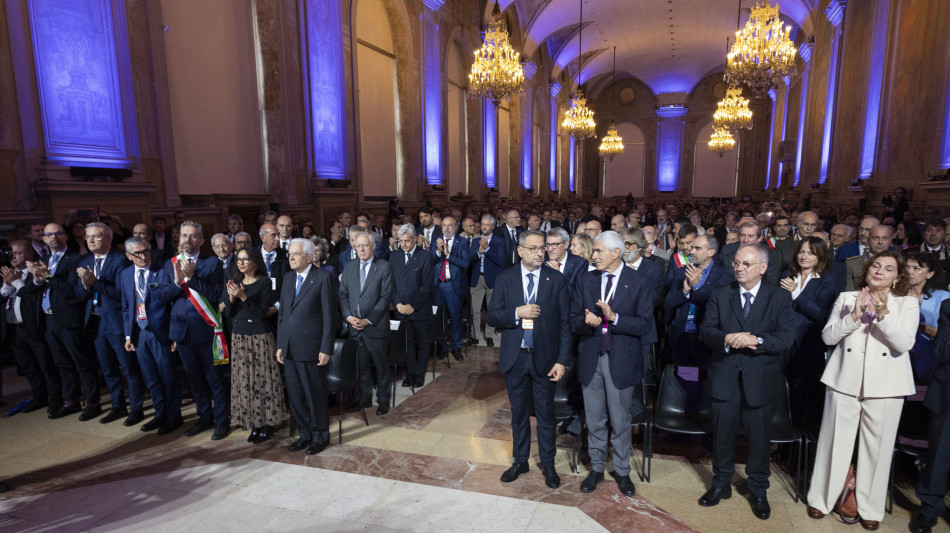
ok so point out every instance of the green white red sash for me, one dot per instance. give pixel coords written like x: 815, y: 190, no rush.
x: 681, y: 259
x: 771, y: 242
x: 211, y: 317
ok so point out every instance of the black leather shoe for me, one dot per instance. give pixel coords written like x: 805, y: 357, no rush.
x: 263, y: 434
x: 760, y: 507
x: 253, y: 435
x: 512, y: 473
x: 317, y: 447
x: 114, y: 414
x: 298, y: 445
x: 170, y: 426
x: 34, y: 405
x: 457, y: 354
x: 419, y: 381
x: 590, y: 484
x: 64, y: 410
x: 407, y: 382
x: 715, y: 494
x: 921, y: 524
x: 153, y: 424
x: 551, y: 479
x: 92, y: 411
x: 355, y: 408
x: 490, y: 342
x: 627, y: 488
x: 221, y: 431
x: 134, y: 418
x: 383, y: 409
x: 4, y: 487
x: 200, y: 426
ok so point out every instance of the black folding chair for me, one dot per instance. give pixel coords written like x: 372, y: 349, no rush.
x: 785, y: 432
x: 438, y: 329
x: 399, y: 353
x: 343, y: 376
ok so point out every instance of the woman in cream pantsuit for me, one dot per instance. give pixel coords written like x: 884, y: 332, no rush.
x: 867, y: 377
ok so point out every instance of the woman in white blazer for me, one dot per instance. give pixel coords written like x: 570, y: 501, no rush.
x: 867, y: 377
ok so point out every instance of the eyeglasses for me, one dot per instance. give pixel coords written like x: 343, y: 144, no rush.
x: 138, y: 255
x: 744, y: 265
x: 54, y: 234
x: 532, y: 249
x: 243, y: 260
x: 553, y: 244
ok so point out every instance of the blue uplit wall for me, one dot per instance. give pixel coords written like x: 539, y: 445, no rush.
x: 491, y: 143
x: 77, y: 75
x: 945, y: 152
x: 669, y: 145
x: 571, y: 165
x: 527, y: 145
x: 555, y: 89
x: 804, y: 51
x: 872, y: 117
x: 773, y: 94
x: 432, y: 102
x: 323, y: 49
x: 835, y: 15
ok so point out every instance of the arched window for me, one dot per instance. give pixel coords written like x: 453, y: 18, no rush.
x: 625, y: 173
x: 714, y: 176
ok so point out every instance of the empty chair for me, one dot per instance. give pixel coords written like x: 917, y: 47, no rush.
x: 438, y: 329
x: 343, y: 376
x: 785, y: 432
x: 682, y: 406
x: 398, y: 352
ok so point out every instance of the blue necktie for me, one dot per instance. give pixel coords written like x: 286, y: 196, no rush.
x: 748, y: 304
x: 363, y: 270
x: 299, y: 283
x: 140, y: 296
x: 529, y: 333
x: 53, y: 263
x: 270, y: 258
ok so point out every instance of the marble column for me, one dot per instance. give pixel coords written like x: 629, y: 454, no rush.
x: 670, y: 126
x: 779, y: 97
x: 490, y: 144
x: 552, y: 172
x: 835, y: 14
x: 945, y: 148
x: 804, y: 51
x: 872, y: 113
x: 432, y: 92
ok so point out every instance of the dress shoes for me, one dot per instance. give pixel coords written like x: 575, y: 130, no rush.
x: 298, y: 445
x: 626, y: 486
x: 200, y: 426
x: 263, y: 434
x: 114, y: 414
x: 715, y: 494
x: 253, y: 436
x: 760, y: 507
x: 815, y: 513
x: 357, y: 407
x: 551, y: 479
x: 407, y: 382
x: 317, y: 447
x: 921, y: 524
x: 590, y: 484
x: 490, y: 342
x: 64, y: 410
x: 870, y: 525
x: 419, y: 380
x: 34, y: 405
x: 92, y: 411
x: 457, y: 354
x: 221, y: 431
x: 152, y: 424
x: 512, y: 473
x: 170, y: 426
x: 134, y: 418
x: 382, y: 409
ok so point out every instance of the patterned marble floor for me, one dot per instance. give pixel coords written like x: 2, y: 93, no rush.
x: 433, y: 463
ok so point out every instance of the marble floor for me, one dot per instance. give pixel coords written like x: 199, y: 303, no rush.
x: 432, y: 463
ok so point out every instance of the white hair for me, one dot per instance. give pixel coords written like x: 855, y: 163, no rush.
x: 611, y: 239
x: 306, y: 245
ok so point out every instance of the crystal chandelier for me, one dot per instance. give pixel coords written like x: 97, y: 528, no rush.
x: 496, y: 73
x: 611, y: 144
x: 721, y: 141
x: 733, y: 113
x: 579, y: 121
x: 762, y: 53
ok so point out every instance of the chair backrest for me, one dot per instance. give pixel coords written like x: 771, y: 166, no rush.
x: 342, y: 371
x: 562, y: 389
x: 681, y: 399
x: 783, y: 429
x: 399, y: 343
x: 438, y: 325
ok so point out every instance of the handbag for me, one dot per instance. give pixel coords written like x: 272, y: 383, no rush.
x: 847, y: 504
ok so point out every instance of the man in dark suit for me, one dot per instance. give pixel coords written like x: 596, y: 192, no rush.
x: 747, y: 326
x: 488, y: 254
x: 509, y: 233
x: 275, y: 258
x: 559, y: 258
x: 634, y: 242
x: 143, y: 232
x: 782, y: 241
x: 685, y: 302
x: 935, y: 232
x: 145, y: 322
x: 412, y: 278
x: 99, y: 276
x: 749, y: 234
x: 428, y: 231
x: 366, y: 290
x: 610, y: 312
x: 54, y: 283
x: 530, y: 307
x: 305, y: 335
x: 339, y: 241
x: 548, y: 223
x: 160, y: 237
x: 224, y: 250
x: 192, y: 335
x: 451, y: 255
x: 860, y: 245
x: 932, y: 487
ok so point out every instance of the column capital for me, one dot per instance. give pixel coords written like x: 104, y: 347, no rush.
x: 555, y: 89
x: 805, y: 50
x: 835, y: 12
x: 434, y: 5
x: 530, y: 69
x: 773, y: 94
x: 671, y: 111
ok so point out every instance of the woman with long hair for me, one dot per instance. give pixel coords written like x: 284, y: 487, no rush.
x: 583, y: 246
x: 926, y: 282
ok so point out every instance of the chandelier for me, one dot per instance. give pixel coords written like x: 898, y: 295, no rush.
x: 496, y: 73
x: 721, y: 141
x: 733, y: 113
x: 611, y: 144
x: 762, y: 53
x: 579, y: 122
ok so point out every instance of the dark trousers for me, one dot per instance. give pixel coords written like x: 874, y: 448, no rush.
x: 374, y: 355
x: 158, y: 372
x: 116, y: 362
x: 932, y: 486
x: 418, y: 347
x: 728, y: 416
x: 37, y: 365
x: 307, y: 392
x: 205, y: 380
x: 75, y: 365
x: 445, y: 295
x: 526, y: 387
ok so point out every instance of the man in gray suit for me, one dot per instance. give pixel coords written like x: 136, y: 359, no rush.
x: 366, y: 290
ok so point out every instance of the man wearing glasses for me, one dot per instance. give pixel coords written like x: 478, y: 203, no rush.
x: 509, y: 233
x: 859, y: 246
x: 593, y: 228
x: 223, y: 248
x: 488, y: 255
x: 749, y: 234
x: 561, y: 259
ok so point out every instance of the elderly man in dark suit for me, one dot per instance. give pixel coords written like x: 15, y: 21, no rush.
x: 748, y: 325
x: 195, y: 272
x: 561, y: 259
x: 145, y: 322
x: 304, y: 343
x: 749, y: 234
x: 412, y: 278
x: 530, y: 306
x: 366, y: 290
x: 509, y: 233
x: 610, y: 312
x: 634, y: 242
x: 451, y: 255
x: 487, y: 253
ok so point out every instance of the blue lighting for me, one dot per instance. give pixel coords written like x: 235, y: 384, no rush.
x: 875, y: 86
x: 432, y: 103
x: 570, y: 169
x: 804, y: 51
x: 491, y: 143
x: 945, y: 152
x: 835, y: 15
x: 323, y: 49
x: 669, y: 142
x: 773, y: 94
x: 528, y: 145
x: 555, y: 89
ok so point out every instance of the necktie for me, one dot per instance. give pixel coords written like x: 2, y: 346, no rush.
x: 53, y: 262
x: 408, y: 257
x: 529, y: 333
x: 748, y: 304
x: 299, y: 283
x: 98, y: 268
x: 269, y: 259
x: 284, y: 246
x: 363, y: 270
x: 514, y: 246
x: 444, y: 273
x: 140, y: 295
x: 605, y: 339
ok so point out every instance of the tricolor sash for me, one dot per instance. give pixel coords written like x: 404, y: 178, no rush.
x: 681, y: 259
x: 211, y: 317
x: 771, y: 242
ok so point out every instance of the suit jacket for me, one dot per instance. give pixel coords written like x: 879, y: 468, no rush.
x: 938, y: 393
x: 157, y: 305
x: 662, y: 255
x: 653, y: 271
x: 494, y: 258
x: 279, y: 266
x: 676, y: 304
x: 554, y: 224
x: 771, y: 318
x: 436, y: 234
x: 786, y: 252
x: 67, y: 298
x: 413, y: 283
x: 107, y: 289
x: 231, y: 269
x: 503, y: 232
x: 847, y: 251
x: 552, y: 334
x: 305, y: 321
x: 459, y: 260
x: 571, y: 227
x: 633, y: 304
x: 813, y: 304
x: 185, y: 320
x: 853, y: 268
x: 871, y: 359
x: 371, y: 303
x: 728, y: 253
x: 574, y: 267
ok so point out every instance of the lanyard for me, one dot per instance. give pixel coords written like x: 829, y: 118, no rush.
x: 143, y: 291
x: 534, y: 292
x: 613, y: 289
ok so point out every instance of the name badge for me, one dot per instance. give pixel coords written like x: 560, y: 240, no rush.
x: 603, y: 328
x: 527, y: 323
x: 140, y: 311
x: 273, y: 284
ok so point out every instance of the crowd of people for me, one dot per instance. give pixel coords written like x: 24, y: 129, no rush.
x: 845, y: 307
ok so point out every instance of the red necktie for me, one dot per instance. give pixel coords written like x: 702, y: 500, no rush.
x: 443, y: 274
